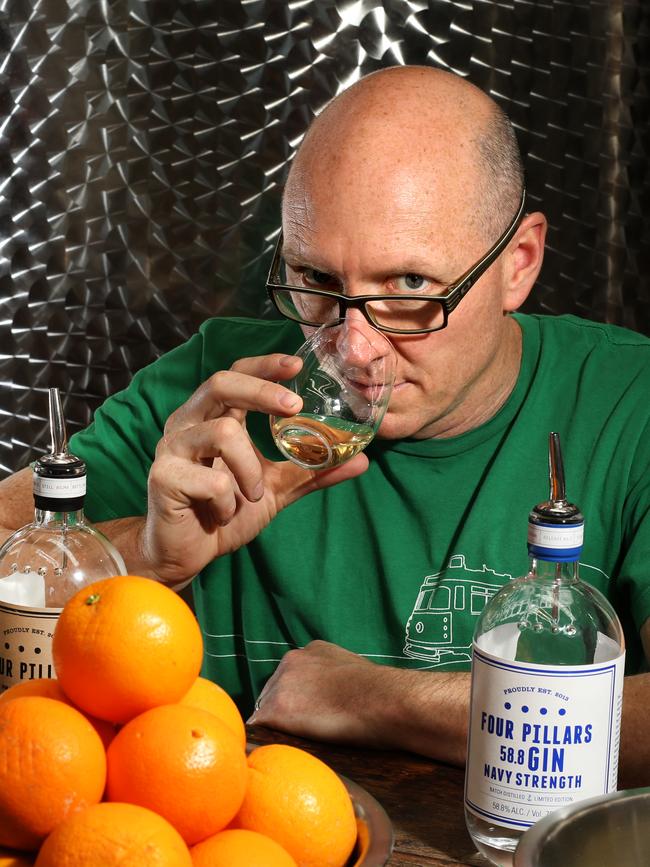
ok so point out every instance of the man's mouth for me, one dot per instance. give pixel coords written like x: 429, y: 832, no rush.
x: 371, y: 390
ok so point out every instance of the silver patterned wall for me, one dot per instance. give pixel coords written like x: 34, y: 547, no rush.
x: 143, y: 147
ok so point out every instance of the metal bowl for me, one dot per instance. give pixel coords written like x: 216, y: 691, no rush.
x: 374, y: 830
x: 597, y: 832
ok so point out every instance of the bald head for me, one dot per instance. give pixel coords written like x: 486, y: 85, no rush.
x: 414, y: 127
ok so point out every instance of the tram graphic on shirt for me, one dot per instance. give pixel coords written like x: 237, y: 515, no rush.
x: 441, y: 625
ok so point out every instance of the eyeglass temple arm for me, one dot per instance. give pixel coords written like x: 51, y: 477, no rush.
x: 277, y: 252
x: 465, y: 283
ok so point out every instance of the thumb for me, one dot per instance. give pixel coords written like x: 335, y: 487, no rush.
x: 292, y: 482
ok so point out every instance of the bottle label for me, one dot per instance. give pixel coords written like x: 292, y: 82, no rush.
x: 26, y: 643
x: 540, y: 737
x: 556, y: 535
x: 555, y: 541
x: 62, y: 489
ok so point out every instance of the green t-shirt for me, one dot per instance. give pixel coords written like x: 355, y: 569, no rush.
x: 397, y: 564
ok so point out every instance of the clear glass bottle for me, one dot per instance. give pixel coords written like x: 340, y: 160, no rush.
x: 43, y: 564
x: 547, y: 682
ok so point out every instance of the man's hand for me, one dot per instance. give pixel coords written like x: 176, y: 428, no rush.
x: 327, y: 693
x: 210, y: 489
x: 318, y: 692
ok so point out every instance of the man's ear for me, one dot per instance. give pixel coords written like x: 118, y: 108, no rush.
x: 523, y: 260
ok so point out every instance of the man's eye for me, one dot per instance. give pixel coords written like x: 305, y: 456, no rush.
x: 412, y: 283
x: 313, y: 278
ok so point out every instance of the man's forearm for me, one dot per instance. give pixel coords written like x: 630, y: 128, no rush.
x: 426, y: 713
x: 17, y: 510
x: 429, y: 714
x: 126, y: 535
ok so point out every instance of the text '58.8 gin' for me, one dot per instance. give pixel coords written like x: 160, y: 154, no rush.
x: 547, y: 683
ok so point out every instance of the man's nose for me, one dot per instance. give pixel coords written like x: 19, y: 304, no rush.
x: 358, y: 342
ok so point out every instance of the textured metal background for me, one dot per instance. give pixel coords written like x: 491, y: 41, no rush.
x: 143, y: 146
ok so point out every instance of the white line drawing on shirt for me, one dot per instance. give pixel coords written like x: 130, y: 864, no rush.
x: 442, y: 597
x: 429, y: 630
x: 455, y: 592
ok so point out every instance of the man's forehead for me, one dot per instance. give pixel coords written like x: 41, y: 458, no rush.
x: 402, y: 185
x: 369, y: 215
x: 374, y: 250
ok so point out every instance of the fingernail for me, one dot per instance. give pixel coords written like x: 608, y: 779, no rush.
x: 258, y: 491
x: 287, y: 361
x: 289, y: 400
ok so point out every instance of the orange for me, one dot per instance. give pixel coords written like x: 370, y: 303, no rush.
x: 301, y: 803
x: 14, y: 859
x: 43, y: 686
x: 52, y: 763
x: 124, y: 645
x: 114, y: 835
x: 183, y: 763
x: 238, y: 848
x: 50, y: 689
x: 211, y: 697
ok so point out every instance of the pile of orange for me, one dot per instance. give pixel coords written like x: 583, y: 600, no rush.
x: 130, y: 758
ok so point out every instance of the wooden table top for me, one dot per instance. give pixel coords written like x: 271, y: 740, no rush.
x: 423, y: 798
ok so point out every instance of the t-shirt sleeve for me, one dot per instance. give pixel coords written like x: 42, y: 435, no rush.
x: 119, y: 446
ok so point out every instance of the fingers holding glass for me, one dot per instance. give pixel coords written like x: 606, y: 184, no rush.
x: 251, y: 384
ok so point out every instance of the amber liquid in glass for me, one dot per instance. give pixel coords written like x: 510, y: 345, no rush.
x: 319, y: 442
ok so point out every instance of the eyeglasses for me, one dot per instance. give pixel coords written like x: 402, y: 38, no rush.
x: 406, y: 313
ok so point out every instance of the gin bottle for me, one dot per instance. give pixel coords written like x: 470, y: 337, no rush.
x: 43, y: 564
x: 547, y: 682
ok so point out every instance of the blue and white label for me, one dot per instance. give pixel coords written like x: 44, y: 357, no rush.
x: 540, y: 736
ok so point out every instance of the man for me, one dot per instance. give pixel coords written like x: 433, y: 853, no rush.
x: 403, y: 183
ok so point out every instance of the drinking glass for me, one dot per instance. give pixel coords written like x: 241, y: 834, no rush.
x: 345, y: 384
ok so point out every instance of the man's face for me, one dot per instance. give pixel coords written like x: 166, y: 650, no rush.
x: 364, y: 233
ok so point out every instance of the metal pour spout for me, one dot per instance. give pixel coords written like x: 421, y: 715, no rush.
x: 556, y: 470
x: 557, y: 509
x: 57, y: 424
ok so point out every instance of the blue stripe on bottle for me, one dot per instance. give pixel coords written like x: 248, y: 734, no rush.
x: 557, y: 555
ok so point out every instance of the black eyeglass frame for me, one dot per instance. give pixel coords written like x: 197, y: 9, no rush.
x: 455, y: 293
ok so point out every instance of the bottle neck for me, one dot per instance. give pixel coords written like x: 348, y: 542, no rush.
x: 43, y: 517
x: 552, y: 570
